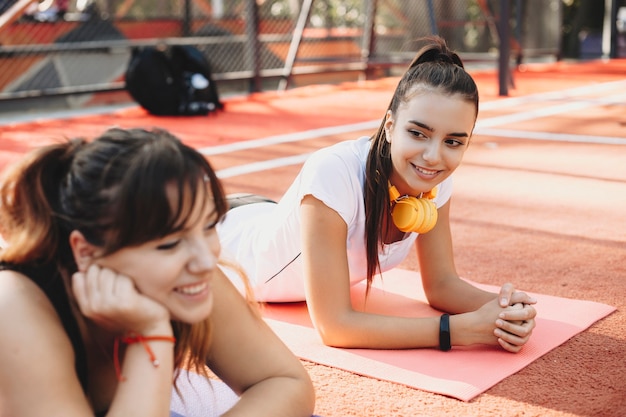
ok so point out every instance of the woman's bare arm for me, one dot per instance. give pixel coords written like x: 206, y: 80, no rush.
x: 38, y: 375
x: 327, y: 286
x: 252, y: 360
x: 324, y: 255
x: 447, y: 292
x: 443, y: 287
x: 34, y: 351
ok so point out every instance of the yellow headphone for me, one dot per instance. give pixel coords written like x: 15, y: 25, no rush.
x: 413, y: 214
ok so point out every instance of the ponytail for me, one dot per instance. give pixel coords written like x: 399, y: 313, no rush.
x: 435, y: 68
x: 29, y: 202
x: 436, y: 51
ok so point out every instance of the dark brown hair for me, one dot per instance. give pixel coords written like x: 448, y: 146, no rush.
x: 437, y: 67
x: 112, y: 190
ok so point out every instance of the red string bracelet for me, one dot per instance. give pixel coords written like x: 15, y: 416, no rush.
x: 131, y: 338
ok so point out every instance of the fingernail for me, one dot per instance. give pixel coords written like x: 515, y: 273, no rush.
x: 499, y: 323
x: 501, y: 315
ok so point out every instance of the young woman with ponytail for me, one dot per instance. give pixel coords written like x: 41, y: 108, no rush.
x: 358, y: 207
x: 110, y: 290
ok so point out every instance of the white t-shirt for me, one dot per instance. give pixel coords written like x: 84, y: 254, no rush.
x: 264, y: 238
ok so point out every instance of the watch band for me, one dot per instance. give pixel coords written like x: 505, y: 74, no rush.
x: 444, y: 332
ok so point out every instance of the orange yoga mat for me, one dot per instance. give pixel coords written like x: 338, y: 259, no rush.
x: 462, y: 373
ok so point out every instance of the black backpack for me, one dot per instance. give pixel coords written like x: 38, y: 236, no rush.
x: 172, y: 81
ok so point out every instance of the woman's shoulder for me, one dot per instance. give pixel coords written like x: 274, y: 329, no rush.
x: 19, y: 292
x: 348, y: 148
x: 14, y: 279
x: 335, y: 175
x: 35, y: 343
x: 351, y: 154
x: 28, y: 316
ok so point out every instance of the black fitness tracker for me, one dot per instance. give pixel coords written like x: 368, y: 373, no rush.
x: 444, y: 332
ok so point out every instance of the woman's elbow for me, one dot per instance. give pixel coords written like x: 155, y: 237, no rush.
x: 328, y: 335
x: 302, y: 394
x: 335, y: 335
x: 437, y: 303
x: 438, y: 294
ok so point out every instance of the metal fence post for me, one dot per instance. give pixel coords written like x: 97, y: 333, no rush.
x: 253, y: 47
x: 432, y: 19
x: 609, y: 29
x: 186, y: 29
x: 505, y: 48
x: 296, y: 40
x: 369, y: 35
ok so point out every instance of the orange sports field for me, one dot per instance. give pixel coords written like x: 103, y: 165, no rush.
x: 540, y: 201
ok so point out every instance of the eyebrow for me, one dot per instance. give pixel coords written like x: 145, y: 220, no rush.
x: 425, y: 126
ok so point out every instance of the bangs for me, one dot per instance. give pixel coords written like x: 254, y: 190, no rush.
x: 146, y: 210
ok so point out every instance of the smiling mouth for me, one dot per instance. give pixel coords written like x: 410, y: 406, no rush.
x: 193, y: 289
x: 425, y: 171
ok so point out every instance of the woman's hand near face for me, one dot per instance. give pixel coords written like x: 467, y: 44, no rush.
x: 112, y: 301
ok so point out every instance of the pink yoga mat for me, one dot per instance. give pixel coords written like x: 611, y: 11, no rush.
x: 462, y: 373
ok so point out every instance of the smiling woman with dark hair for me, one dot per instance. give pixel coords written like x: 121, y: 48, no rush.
x: 110, y: 284
x: 358, y: 207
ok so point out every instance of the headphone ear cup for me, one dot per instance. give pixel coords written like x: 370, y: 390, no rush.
x: 430, y: 216
x: 414, y: 215
x: 407, y: 214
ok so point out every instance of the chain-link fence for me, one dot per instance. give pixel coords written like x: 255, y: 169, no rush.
x: 59, y: 53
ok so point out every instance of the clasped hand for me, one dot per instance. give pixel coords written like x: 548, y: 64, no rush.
x: 517, y: 321
x: 507, y: 320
